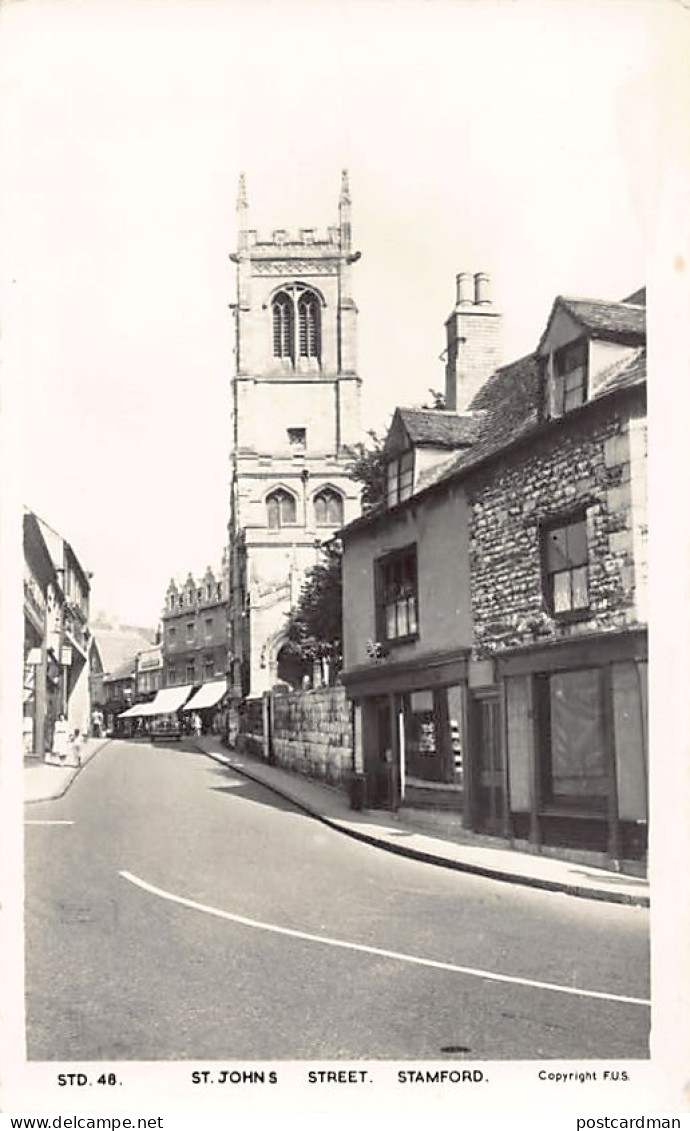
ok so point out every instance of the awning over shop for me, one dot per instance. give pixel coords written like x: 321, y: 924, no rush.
x: 169, y: 700
x: 207, y: 696
x: 135, y: 712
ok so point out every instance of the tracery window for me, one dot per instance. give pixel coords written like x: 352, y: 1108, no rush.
x: 283, y: 326
x: 281, y: 509
x: 296, y: 305
x: 328, y: 508
x: 309, y: 327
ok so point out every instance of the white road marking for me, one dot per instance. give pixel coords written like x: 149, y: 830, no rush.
x: 326, y: 941
x: 49, y: 822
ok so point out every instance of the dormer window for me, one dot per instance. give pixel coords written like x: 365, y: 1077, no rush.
x: 569, y: 377
x: 399, y: 478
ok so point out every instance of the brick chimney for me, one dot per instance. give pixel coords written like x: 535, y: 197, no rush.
x: 473, y: 340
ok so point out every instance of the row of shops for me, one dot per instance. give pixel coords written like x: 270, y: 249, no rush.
x: 175, y: 710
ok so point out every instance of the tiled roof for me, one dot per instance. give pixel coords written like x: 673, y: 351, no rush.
x: 606, y: 317
x: 119, y: 645
x: 123, y: 671
x: 437, y: 427
x: 510, y: 404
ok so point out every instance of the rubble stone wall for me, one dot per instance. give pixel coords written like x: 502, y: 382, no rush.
x: 584, y: 464
x: 313, y: 733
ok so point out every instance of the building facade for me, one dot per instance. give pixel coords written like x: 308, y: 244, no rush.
x: 57, y: 635
x: 495, y: 608
x: 194, y: 631
x: 295, y: 415
x: 42, y: 688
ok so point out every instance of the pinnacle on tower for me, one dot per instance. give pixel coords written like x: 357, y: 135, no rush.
x: 345, y: 188
x: 242, y: 193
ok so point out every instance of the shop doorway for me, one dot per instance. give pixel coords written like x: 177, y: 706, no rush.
x: 489, y: 791
x: 380, y: 754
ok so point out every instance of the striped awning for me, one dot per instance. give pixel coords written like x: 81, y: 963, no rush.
x: 207, y: 696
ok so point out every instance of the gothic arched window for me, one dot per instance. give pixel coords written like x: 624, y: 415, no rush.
x: 328, y: 508
x: 308, y: 311
x: 281, y: 508
x: 283, y: 326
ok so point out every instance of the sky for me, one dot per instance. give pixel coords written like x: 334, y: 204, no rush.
x: 515, y: 138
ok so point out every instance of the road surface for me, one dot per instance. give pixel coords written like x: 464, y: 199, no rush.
x: 176, y: 910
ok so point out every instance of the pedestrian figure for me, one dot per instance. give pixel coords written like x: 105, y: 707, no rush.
x: 196, y: 723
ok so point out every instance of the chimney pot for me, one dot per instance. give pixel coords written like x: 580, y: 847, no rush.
x: 482, y: 296
x: 464, y: 289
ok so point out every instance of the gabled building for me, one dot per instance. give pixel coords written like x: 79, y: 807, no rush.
x: 497, y: 605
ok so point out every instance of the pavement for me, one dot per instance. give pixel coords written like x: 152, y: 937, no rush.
x: 402, y: 832
x: 44, y: 781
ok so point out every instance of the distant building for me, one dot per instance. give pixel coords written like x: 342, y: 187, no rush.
x: 295, y: 414
x: 148, y: 674
x: 113, y: 645
x: 194, y: 644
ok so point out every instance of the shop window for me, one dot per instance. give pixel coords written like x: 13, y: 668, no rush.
x: 281, y: 509
x: 397, y: 595
x: 190, y: 672
x: 172, y: 675
x: 399, y: 478
x: 572, y: 739
x: 565, y: 558
x: 328, y: 508
x: 208, y: 668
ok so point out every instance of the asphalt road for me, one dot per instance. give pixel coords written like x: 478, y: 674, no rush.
x: 117, y: 968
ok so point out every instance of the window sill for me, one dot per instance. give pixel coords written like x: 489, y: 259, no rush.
x: 396, y: 640
x: 593, y: 812
x: 572, y: 616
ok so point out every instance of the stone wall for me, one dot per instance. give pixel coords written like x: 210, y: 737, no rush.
x: 312, y: 733
x: 586, y: 462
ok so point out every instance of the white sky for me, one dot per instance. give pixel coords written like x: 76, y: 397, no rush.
x: 515, y: 138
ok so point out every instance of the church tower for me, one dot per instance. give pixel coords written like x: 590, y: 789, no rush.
x: 295, y: 414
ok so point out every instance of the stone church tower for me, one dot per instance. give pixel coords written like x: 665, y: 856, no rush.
x: 295, y: 413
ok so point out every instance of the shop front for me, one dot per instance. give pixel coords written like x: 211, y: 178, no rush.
x: 576, y: 739
x: 410, y: 731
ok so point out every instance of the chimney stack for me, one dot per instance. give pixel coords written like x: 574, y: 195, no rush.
x: 464, y: 289
x: 473, y: 340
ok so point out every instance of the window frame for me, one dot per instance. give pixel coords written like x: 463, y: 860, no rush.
x: 381, y: 566
x: 559, y: 371
x: 548, y: 527
x: 549, y: 799
x: 282, y: 523
x: 403, y: 466
x: 333, y: 496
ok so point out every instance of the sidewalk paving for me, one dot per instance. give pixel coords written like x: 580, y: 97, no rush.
x: 460, y: 850
x: 44, y: 781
